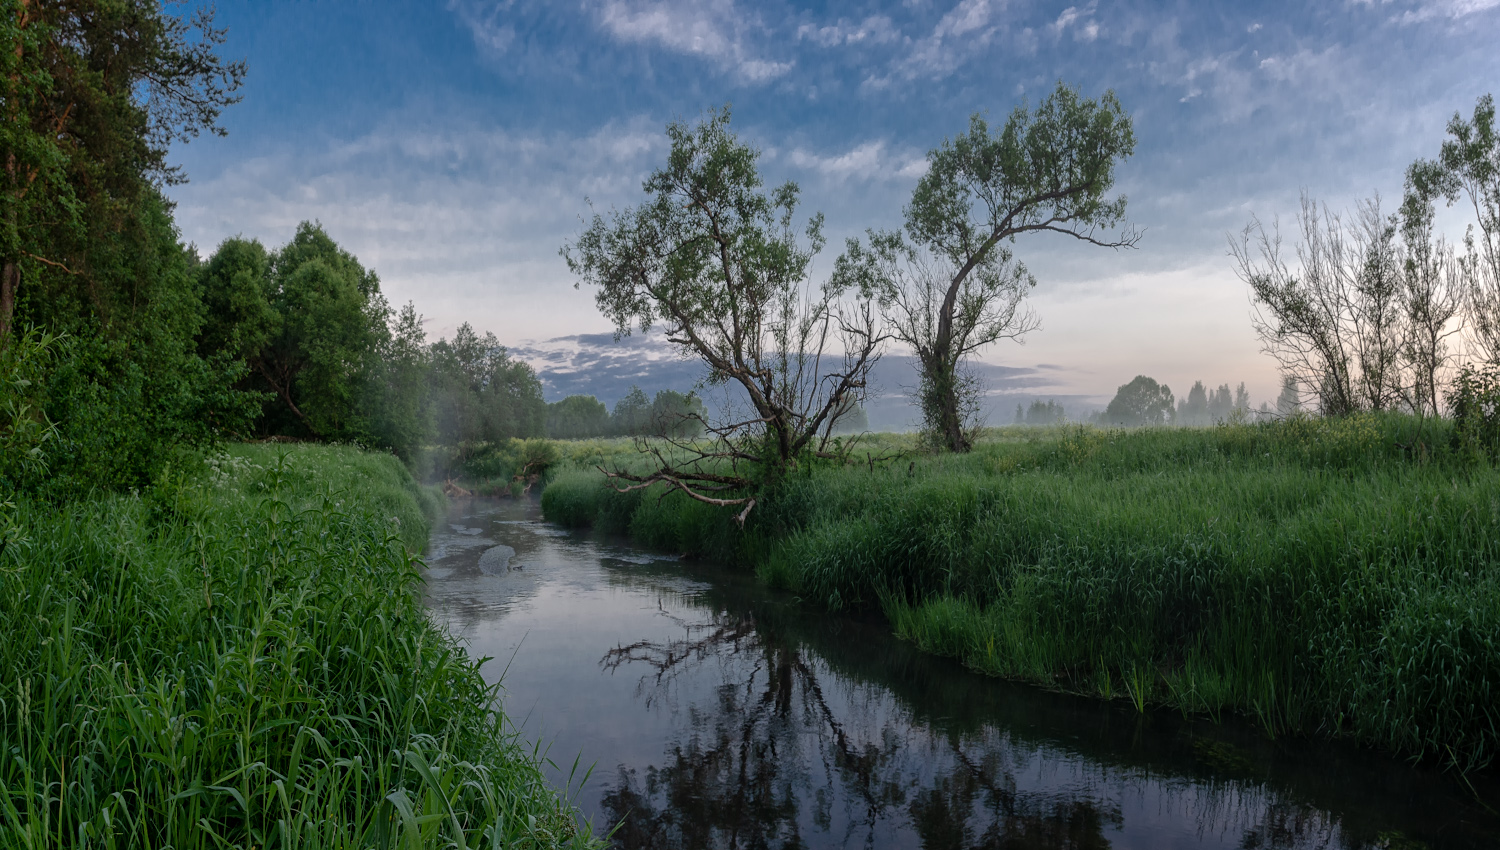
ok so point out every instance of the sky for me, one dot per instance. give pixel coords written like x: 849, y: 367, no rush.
x: 455, y: 145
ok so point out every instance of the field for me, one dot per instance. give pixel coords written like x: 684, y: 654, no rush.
x: 239, y: 656
x: 1321, y: 576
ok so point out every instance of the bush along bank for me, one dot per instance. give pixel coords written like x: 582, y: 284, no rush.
x: 1321, y: 576
x: 239, y: 656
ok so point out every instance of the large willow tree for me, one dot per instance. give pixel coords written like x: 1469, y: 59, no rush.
x: 949, y: 283
x: 719, y: 263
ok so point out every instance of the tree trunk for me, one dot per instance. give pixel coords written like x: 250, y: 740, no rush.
x: 10, y: 283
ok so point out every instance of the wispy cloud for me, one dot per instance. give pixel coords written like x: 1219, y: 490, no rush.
x: 866, y: 161
x: 876, y: 29
x: 966, y: 29
x: 1080, y: 21
x: 716, y: 30
x: 1427, y: 10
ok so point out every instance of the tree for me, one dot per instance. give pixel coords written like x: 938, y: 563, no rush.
x: 1336, y: 324
x: 1192, y: 411
x: 955, y: 287
x: 1290, y: 399
x: 481, y: 394
x: 93, y: 93
x: 399, y: 395
x: 1045, y: 413
x: 319, y: 351
x: 1141, y: 402
x: 577, y: 417
x: 717, y: 261
x: 676, y: 415
x: 1468, y: 165
x: 632, y: 414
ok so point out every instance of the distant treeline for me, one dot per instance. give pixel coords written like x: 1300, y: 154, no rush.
x: 1143, y: 401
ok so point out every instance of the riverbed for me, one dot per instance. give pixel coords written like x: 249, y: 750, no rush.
x: 684, y: 706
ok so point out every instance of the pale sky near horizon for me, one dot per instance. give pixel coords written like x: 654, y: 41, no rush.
x: 451, y: 146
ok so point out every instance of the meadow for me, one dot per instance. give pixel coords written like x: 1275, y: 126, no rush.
x: 239, y: 656
x: 1320, y: 576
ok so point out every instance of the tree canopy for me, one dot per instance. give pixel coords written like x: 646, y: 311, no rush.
x: 1141, y: 402
x: 950, y: 285
x: 721, y: 264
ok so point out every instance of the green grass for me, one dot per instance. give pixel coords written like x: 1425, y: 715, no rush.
x: 1320, y: 576
x: 240, y: 658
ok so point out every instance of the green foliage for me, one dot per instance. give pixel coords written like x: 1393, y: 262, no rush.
x: 92, y: 96
x: 240, y: 657
x: 1288, y: 570
x: 1468, y: 166
x: 1141, y: 402
x: 1475, y: 402
x: 24, y: 427
x: 577, y: 417
x: 125, y: 385
x: 1041, y: 412
x: 481, y: 394
x: 956, y: 288
x: 719, y: 262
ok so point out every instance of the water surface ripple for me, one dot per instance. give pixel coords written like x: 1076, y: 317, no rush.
x: 718, y: 715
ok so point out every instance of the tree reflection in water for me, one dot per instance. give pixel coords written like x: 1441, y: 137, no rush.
x: 767, y: 762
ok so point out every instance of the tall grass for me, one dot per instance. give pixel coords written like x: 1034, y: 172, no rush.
x: 240, y: 658
x: 1334, y: 576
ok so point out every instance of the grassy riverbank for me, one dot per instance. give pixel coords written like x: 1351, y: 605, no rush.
x: 240, y: 657
x: 1321, y: 576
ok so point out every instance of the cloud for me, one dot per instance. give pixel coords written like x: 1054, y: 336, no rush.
x: 965, y: 30
x: 714, y: 30
x: 1427, y: 10
x: 1085, y: 28
x: 486, y: 23
x: 866, y: 161
x: 876, y: 29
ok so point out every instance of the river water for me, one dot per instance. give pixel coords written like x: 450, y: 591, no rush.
x: 714, y: 713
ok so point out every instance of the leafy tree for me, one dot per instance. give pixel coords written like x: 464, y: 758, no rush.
x: 1045, y: 413
x: 1338, y: 323
x: 235, y: 286
x: 577, y: 417
x: 1192, y: 411
x: 676, y: 415
x: 399, y: 396
x: 632, y: 414
x: 1290, y: 399
x: 92, y: 94
x: 1141, y: 402
x: 718, y: 262
x: 481, y: 394
x: 954, y: 287
x: 1468, y: 166
x: 320, y: 328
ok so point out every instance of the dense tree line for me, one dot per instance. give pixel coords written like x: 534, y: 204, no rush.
x: 668, y: 414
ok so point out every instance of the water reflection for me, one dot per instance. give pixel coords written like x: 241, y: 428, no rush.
x: 721, y: 716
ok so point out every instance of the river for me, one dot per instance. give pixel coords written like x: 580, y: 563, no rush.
x: 708, y: 712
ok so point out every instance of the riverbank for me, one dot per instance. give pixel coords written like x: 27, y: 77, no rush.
x: 239, y: 657
x: 1331, y: 577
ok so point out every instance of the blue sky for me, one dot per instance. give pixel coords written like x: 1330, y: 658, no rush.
x: 451, y: 145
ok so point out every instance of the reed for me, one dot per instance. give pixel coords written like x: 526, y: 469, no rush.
x: 240, y: 657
